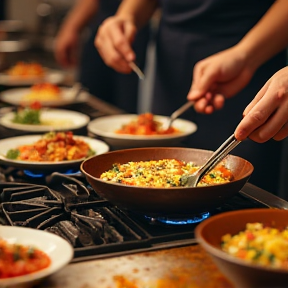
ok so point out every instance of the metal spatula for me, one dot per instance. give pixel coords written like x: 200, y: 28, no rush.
x: 176, y: 114
x: 137, y: 70
x: 193, y: 179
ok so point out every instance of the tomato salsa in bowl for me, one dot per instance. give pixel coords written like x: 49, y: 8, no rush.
x: 17, y: 259
x: 29, y: 255
x: 145, y: 130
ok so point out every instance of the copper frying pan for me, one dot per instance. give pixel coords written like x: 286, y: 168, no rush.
x: 174, y: 201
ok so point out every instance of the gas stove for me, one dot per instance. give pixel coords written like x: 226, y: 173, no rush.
x: 65, y: 204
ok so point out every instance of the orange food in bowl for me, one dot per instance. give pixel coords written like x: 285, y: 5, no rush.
x: 239, y: 242
x: 259, y: 244
x: 17, y: 260
x: 145, y: 124
x: 43, y: 92
x: 52, y: 146
x: 26, y: 69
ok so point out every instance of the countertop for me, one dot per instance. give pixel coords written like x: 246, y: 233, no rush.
x: 184, y: 267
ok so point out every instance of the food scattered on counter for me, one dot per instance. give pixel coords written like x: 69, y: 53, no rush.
x: 23, y: 69
x: 43, y: 92
x: 53, y: 146
x: 184, y: 267
x: 122, y: 282
x: 17, y: 260
x: 145, y: 124
x: 163, y: 173
x: 258, y: 244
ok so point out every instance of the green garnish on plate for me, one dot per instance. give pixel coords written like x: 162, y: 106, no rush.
x: 27, y: 116
x: 12, y: 154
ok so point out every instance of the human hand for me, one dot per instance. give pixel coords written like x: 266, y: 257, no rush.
x: 66, y: 49
x: 217, y: 77
x: 113, y: 41
x: 266, y: 116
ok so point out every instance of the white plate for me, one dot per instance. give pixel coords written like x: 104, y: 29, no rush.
x: 58, y: 249
x: 53, y: 119
x: 67, y: 94
x: 51, y: 76
x: 104, y: 127
x: 12, y: 143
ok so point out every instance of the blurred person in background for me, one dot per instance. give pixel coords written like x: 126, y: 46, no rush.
x: 101, y: 81
x: 2, y: 9
x: 190, y: 31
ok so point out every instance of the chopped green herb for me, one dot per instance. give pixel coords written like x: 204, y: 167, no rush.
x: 31, y: 252
x: 13, y: 154
x: 91, y: 152
x: 27, y: 116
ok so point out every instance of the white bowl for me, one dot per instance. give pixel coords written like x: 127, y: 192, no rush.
x: 105, y: 127
x: 98, y: 146
x: 54, y: 119
x: 58, y: 249
x: 67, y: 96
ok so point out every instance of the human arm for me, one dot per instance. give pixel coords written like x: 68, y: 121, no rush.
x: 68, y: 38
x: 116, y: 34
x: 224, y: 74
x: 266, y: 116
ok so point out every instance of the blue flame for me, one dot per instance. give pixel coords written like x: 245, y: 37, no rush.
x: 34, y: 174
x: 191, y: 219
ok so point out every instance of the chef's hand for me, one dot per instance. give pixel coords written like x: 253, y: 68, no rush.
x: 66, y: 47
x: 217, y: 77
x: 266, y: 116
x: 113, y: 41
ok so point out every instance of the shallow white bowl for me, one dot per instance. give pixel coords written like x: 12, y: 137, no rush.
x: 55, y: 119
x: 105, y: 127
x: 51, y: 76
x: 98, y: 146
x: 67, y: 96
x: 58, y: 249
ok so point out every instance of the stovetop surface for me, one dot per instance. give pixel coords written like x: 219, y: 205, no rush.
x: 69, y: 207
x: 65, y: 204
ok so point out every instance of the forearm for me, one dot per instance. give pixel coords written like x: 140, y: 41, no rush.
x: 139, y: 12
x: 268, y: 36
x: 81, y: 14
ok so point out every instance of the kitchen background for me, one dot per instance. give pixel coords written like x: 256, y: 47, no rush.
x: 31, y: 28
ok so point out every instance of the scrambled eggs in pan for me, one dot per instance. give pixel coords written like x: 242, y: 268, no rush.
x: 162, y: 173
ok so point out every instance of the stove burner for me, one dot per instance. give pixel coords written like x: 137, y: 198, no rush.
x: 33, y: 174
x: 186, y: 220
